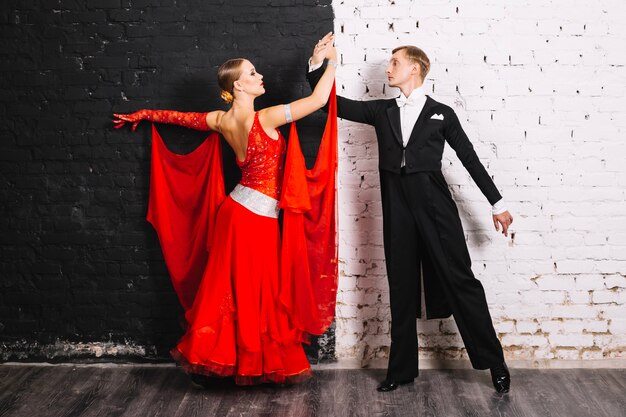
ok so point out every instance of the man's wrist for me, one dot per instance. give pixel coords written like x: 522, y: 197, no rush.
x: 498, y: 207
x: 312, y: 66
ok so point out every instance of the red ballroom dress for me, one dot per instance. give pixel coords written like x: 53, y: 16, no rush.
x: 251, y: 295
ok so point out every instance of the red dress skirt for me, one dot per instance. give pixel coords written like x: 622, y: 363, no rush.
x: 239, y: 329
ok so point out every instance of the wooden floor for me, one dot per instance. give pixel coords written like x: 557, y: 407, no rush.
x: 65, y: 390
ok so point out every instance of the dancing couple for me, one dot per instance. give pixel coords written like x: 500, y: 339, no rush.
x: 240, y: 282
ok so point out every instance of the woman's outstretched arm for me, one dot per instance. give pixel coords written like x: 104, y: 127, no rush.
x: 197, y: 121
x: 275, y: 116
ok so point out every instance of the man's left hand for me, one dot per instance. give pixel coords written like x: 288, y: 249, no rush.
x: 505, y: 219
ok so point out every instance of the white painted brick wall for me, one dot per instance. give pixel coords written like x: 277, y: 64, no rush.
x: 539, y: 87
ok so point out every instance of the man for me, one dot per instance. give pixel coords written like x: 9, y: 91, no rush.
x: 421, y: 224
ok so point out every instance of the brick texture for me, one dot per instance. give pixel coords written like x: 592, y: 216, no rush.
x: 539, y: 88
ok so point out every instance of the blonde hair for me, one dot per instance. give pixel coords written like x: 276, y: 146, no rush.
x: 226, y: 96
x: 416, y: 56
x: 227, y: 74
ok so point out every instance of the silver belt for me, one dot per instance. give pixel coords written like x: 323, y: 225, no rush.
x: 255, y: 201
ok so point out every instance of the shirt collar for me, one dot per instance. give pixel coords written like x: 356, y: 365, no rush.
x: 413, y: 98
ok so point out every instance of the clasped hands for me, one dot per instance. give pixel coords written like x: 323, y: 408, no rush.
x: 324, y: 49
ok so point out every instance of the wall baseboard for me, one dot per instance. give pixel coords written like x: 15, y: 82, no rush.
x: 65, y: 351
x: 72, y: 353
x: 465, y: 364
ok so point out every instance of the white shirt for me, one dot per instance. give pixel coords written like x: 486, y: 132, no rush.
x: 410, y: 109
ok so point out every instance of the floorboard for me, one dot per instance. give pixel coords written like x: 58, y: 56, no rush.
x: 133, y: 391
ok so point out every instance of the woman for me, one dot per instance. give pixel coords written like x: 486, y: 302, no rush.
x: 236, y: 324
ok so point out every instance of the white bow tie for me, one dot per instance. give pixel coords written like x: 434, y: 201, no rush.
x: 404, y: 101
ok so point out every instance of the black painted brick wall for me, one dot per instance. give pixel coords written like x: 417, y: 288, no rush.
x: 79, y: 263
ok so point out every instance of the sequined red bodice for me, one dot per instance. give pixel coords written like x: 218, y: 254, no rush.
x: 262, y: 170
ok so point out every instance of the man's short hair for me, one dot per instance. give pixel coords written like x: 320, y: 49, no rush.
x: 417, y: 56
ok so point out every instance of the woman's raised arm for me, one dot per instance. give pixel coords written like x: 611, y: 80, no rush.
x: 275, y: 116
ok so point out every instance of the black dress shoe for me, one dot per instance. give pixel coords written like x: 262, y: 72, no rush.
x: 501, y: 378
x: 389, y: 385
x: 207, y: 381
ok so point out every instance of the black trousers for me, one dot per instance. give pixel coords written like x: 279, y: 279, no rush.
x: 420, y: 220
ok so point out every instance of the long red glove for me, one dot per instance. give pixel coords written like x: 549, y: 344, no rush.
x: 188, y: 119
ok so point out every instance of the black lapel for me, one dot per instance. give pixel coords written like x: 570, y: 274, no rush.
x: 393, y: 112
x: 420, y: 119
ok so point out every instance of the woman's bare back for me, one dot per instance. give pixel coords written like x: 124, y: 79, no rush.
x: 235, y: 127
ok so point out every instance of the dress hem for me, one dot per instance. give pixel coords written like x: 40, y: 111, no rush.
x: 213, y: 369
